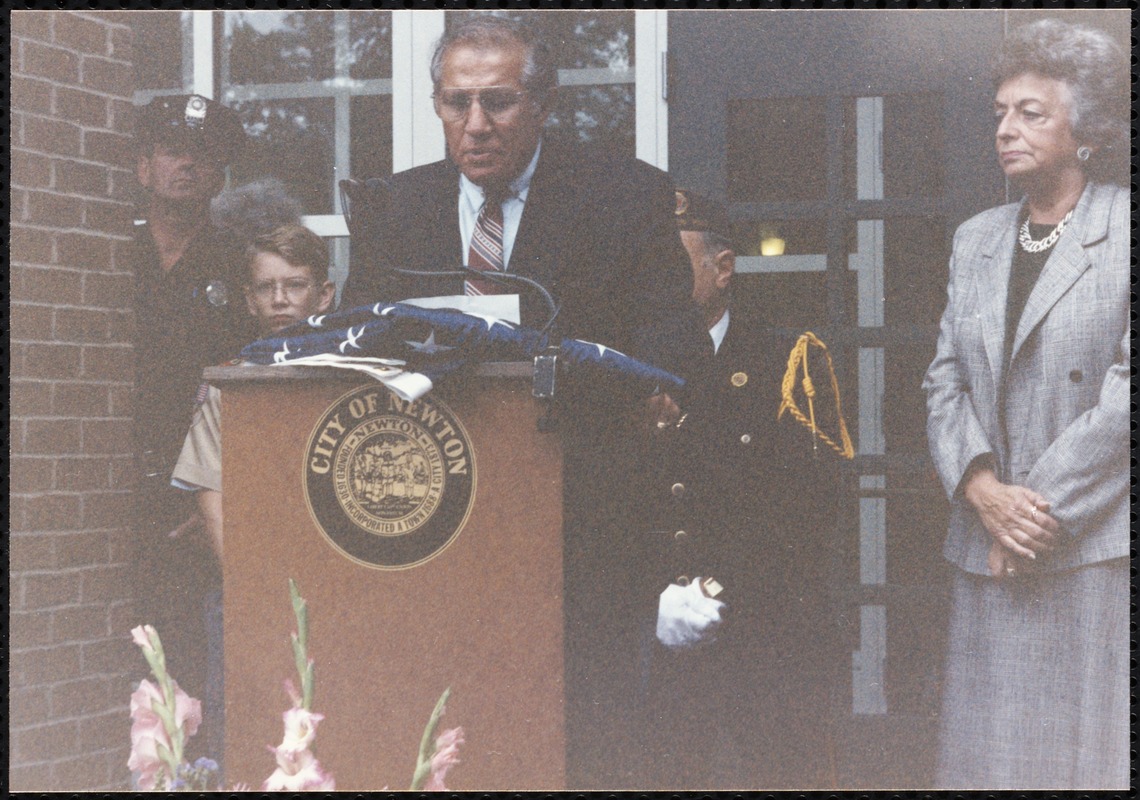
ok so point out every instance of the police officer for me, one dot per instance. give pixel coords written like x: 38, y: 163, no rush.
x: 746, y: 656
x: 189, y: 314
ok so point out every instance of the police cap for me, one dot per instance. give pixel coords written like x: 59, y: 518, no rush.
x: 698, y: 212
x: 186, y: 118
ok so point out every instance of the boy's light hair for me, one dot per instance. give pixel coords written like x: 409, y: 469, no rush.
x: 296, y: 244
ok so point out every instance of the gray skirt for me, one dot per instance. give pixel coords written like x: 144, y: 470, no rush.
x: 1036, y: 691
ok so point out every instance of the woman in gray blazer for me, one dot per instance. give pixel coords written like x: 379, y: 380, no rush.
x: 1028, y: 400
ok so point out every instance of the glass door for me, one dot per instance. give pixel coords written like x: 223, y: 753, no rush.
x: 835, y: 141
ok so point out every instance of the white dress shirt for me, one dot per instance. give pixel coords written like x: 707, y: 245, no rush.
x: 471, y: 201
x: 718, y: 331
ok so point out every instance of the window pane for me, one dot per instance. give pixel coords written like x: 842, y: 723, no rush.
x: 916, y: 264
x: 777, y: 150
x: 917, y: 519
x: 158, y: 49
x: 915, y: 644
x: 278, y: 46
x: 796, y: 300
x: 797, y: 237
x: 370, y: 44
x: 905, y: 424
x: 595, y: 114
x: 371, y: 147
x: 913, y: 148
x: 291, y: 140
x: 581, y: 39
x: 912, y: 145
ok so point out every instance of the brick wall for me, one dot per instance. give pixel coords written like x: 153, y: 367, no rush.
x: 72, y: 661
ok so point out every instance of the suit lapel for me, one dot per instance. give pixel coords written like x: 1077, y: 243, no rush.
x: 443, y: 245
x: 1066, y: 263
x: 548, y: 216
x: 993, y: 286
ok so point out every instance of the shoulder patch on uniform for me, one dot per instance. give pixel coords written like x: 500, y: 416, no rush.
x: 203, y: 393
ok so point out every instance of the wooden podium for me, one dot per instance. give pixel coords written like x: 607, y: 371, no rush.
x: 479, y: 610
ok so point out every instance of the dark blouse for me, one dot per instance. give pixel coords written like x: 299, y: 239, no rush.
x: 1023, y: 275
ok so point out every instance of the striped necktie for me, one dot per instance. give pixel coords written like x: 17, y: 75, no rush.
x: 486, y: 251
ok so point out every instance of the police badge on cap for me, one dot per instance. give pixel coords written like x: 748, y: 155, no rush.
x: 191, y: 118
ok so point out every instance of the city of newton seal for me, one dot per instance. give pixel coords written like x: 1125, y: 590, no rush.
x: 389, y: 483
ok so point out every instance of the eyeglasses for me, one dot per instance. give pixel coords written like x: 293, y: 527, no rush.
x: 453, y: 104
x: 294, y: 288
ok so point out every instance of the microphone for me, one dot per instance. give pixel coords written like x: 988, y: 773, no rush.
x: 376, y: 193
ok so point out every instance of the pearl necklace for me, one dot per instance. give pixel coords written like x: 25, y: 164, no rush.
x: 1031, y: 245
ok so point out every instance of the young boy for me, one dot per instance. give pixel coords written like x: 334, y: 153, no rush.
x: 288, y: 282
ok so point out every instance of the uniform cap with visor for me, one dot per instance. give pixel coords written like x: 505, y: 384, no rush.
x: 191, y: 119
x: 698, y: 212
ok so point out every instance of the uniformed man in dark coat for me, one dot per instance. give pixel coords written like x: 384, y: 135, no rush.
x: 746, y: 657
x: 189, y: 314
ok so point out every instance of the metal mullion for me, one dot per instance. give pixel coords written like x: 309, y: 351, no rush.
x: 342, y: 139
x: 889, y: 594
x: 342, y: 127
x: 878, y: 464
x: 224, y: 56
x: 595, y: 76
x: 809, y: 209
x: 894, y: 207
x: 886, y: 336
x: 836, y: 221
x: 332, y: 87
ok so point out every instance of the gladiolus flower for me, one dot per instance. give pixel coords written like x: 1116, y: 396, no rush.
x: 147, y: 731
x: 297, y: 768
x: 445, y: 757
x: 298, y: 772
x: 141, y: 637
x: 300, y: 729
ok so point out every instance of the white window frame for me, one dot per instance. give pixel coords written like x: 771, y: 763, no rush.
x: 417, y: 137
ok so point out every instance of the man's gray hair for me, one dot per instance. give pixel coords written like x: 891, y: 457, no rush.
x: 539, y: 76
x: 1092, y: 65
x: 255, y: 208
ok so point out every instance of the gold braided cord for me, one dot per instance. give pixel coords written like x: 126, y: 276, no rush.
x: 799, y: 358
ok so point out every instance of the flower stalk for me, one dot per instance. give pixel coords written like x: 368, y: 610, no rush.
x: 300, y: 641
x: 162, y: 718
x: 437, y: 754
x: 297, y: 767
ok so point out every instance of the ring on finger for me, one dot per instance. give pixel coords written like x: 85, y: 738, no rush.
x: 1033, y: 513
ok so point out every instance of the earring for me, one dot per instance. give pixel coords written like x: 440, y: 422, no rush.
x: 1083, y: 152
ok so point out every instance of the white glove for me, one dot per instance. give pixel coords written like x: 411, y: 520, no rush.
x: 686, y: 617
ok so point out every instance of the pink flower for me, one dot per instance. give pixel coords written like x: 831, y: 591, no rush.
x: 445, y: 757
x: 297, y: 768
x: 147, y: 730
x: 300, y: 729
x: 141, y: 636
x: 298, y: 772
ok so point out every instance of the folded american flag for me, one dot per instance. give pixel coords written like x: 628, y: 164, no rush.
x: 408, y: 347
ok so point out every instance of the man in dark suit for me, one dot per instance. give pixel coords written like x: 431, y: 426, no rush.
x: 596, y: 230
x: 746, y: 657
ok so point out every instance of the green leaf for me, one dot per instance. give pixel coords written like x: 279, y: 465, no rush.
x: 427, y: 744
x: 308, y: 679
x: 301, y: 612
